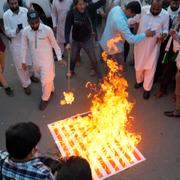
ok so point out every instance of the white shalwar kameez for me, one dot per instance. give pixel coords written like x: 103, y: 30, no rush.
x: 59, y: 12
x: 146, y: 52
x: 41, y: 43
x: 11, y: 22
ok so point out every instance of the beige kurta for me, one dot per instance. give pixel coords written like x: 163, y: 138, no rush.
x: 41, y: 43
x: 147, y: 51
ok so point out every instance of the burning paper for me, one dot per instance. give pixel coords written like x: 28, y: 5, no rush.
x: 102, y: 136
x: 68, y: 98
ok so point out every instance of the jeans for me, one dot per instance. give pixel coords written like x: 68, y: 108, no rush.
x: 89, y: 49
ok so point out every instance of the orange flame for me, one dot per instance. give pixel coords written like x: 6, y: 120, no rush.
x: 106, y: 126
x: 111, y: 44
x: 68, y: 98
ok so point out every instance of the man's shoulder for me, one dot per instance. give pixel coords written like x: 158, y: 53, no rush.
x: 45, y: 28
x: 164, y: 12
x: 116, y: 9
x: 3, y: 155
x: 23, y: 9
x: 40, y: 168
x: 27, y: 29
x: 145, y: 8
x: 116, y: 12
x: 7, y: 13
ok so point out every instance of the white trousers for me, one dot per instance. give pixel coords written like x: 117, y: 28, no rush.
x: 47, y: 88
x: 147, y: 77
x: 23, y: 75
x: 46, y: 75
x: 61, y: 45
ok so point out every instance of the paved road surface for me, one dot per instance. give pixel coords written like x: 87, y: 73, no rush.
x: 160, y: 135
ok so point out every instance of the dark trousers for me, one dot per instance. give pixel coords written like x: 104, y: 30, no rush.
x: 168, y: 74
x: 88, y: 47
x: 126, y: 50
x: 159, y: 68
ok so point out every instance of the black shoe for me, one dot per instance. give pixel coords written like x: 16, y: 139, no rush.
x: 52, y: 94
x: 9, y: 91
x: 171, y: 114
x: 1, y: 84
x: 34, y: 79
x: 146, y: 95
x: 27, y: 90
x: 43, y: 105
x: 138, y: 85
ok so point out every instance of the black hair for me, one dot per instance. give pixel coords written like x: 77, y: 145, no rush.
x: 19, y: 2
x: 134, y: 6
x: 21, y: 138
x: 74, y: 168
x: 75, y: 2
x: 160, y: 1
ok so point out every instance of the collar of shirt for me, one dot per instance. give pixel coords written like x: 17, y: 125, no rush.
x: 40, y: 27
x: 173, y: 13
x: 20, y: 11
x: 23, y: 164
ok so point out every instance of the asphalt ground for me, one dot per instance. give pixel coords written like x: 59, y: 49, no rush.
x: 160, y: 135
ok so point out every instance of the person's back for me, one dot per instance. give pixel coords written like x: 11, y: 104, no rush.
x: 20, y: 161
x: 33, y: 169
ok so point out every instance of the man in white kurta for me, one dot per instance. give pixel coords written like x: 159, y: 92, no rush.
x: 15, y: 19
x: 146, y: 52
x: 59, y: 12
x: 40, y: 39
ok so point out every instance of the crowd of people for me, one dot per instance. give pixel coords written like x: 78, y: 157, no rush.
x: 154, y: 30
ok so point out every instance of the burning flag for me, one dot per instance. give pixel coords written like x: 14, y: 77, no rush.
x: 68, y: 98
x: 102, y: 136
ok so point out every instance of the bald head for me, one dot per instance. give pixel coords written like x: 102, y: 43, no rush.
x: 156, y: 7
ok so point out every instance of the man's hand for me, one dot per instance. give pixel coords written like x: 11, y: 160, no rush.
x: 150, y: 33
x: 102, y: 14
x: 172, y: 32
x: 18, y: 30
x: 68, y: 46
x: 63, y: 62
x: 161, y: 38
x: 24, y: 66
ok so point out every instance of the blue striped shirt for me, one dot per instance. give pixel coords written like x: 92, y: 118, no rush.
x: 33, y: 169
